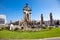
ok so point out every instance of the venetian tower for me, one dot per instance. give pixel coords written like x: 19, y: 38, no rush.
x: 42, y: 22
x: 27, y: 16
x: 51, y: 19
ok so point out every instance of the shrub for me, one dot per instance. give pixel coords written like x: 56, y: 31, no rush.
x: 1, y: 28
x: 44, y: 27
x: 56, y: 26
x: 50, y: 28
x: 16, y: 29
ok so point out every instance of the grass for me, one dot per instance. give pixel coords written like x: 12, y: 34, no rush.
x: 55, y: 32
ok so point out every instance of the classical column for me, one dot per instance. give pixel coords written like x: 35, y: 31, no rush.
x: 30, y: 17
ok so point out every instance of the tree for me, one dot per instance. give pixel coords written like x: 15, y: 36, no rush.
x: 16, y: 23
x: 57, y: 23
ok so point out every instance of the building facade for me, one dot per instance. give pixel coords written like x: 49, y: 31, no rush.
x: 2, y: 19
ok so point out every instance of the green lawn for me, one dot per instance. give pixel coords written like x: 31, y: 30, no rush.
x: 55, y: 32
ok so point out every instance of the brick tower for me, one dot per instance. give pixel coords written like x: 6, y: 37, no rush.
x: 51, y: 19
x: 42, y: 22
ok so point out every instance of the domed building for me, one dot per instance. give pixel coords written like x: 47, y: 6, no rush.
x: 2, y: 19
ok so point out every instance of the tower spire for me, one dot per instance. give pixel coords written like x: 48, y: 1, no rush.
x: 26, y: 4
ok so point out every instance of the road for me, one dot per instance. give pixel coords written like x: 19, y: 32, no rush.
x: 57, y: 38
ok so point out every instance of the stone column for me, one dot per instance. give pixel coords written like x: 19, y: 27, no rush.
x: 25, y: 26
x: 30, y: 17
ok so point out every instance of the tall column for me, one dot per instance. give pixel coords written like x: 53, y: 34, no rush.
x: 42, y: 22
x: 30, y: 17
x: 51, y: 19
x: 25, y: 17
x: 30, y: 14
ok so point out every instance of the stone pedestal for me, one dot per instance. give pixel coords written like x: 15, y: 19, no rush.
x: 25, y: 26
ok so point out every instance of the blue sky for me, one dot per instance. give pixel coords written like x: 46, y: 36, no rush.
x: 13, y: 9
